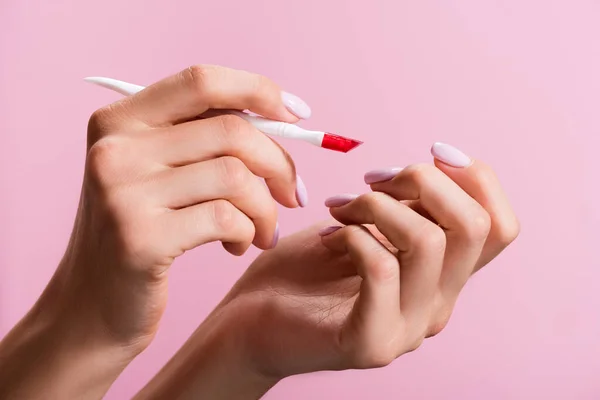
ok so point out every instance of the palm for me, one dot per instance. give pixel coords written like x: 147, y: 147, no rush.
x: 304, y: 295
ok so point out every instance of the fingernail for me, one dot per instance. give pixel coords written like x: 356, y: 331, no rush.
x: 329, y: 230
x: 340, y: 200
x: 275, y: 236
x: 301, y: 192
x: 296, y: 105
x: 450, y: 155
x: 381, y: 175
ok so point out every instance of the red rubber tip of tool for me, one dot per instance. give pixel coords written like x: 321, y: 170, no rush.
x: 335, y: 142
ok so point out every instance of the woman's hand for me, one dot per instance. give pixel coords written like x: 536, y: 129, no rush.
x: 360, y: 296
x: 158, y: 181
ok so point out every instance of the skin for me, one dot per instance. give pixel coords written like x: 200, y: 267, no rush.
x: 357, y: 298
x: 161, y: 178
x: 158, y: 181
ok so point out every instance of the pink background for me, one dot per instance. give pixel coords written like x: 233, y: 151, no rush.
x: 515, y: 83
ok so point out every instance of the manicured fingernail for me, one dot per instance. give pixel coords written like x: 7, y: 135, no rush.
x: 381, y: 175
x: 340, y: 200
x: 301, y: 193
x: 296, y: 105
x: 450, y: 155
x: 275, y: 236
x: 329, y: 230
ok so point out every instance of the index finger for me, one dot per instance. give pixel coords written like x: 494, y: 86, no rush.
x: 193, y: 91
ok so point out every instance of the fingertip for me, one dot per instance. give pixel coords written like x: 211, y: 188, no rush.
x: 284, y: 115
x: 283, y: 193
x: 340, y: 200
x: 267, y: 242
x: 271, y: 102
x: 331, y: 238
x: 328, y: 230
x: 277, y: 113
x: 295, y: 105
x: 338, y: 215
x: 236, y: 249
x: 285, y: 186
x: 301, y: 192
x: 286, y: 200
x: 476, y: 171
x: 448, y: 169
x: 275, y: 239
x: 450, y: 155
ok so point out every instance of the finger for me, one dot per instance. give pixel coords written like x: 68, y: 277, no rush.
x: 191, y: 92
x: 465, y: 222
x: 216, y: 220
x: 228, y: 135
x: 421, y: 246
x: 376, y: 317
x: 480, y: 182
x: 221, y: 178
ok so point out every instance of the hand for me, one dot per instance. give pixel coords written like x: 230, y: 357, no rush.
x: 363, y: 294
x: 378, y: 292
x: 160, y: 181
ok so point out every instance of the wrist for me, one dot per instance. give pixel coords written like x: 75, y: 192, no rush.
x: 100, y: 303
x: 213, y: 364
x: 51, y: 358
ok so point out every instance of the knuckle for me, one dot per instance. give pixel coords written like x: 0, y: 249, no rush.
x: 99, y: 117
x: 235, y: 129
x: 431, y: 238
x: 234, y: 172
x: 223, y: 215
x: 376, y: 356
x: 242, y: 139
x: 238, y: 135
x: 507, y: 232
x: 198, y: 77
x: 382, y: 266
x: 440, y: 321
x: 479, y: 225
x: 419, y: 173
x: 415, y: 344
x: 386, y: 267
x: 246, y: 229
x: 372, y: 200
x: 99, y: 123
x: 106, y: 156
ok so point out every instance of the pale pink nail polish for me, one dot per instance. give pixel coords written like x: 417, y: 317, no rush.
x: 450, y: 155
x: 340, y: 200
x: 329, y: 230
x: 296, y: 105
x: 301, y: 192
x: 275, y: 236
x: 381, y: 175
